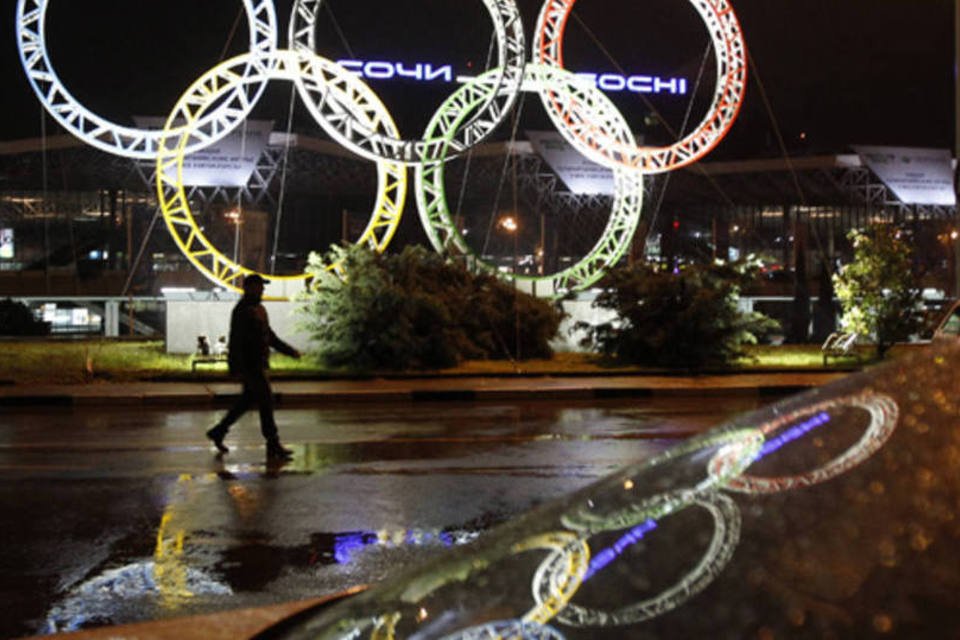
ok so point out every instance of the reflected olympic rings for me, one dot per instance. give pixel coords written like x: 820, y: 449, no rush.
x: 883, y: 412
x: 562, y: 570
x: 726, y: 469
x: 511, y: 629
x: 117, y: 139
x: 740, y: 447
x: 316, y: 79
x: 726, y: 535
x: 725, y: 456
x: 595, y: 141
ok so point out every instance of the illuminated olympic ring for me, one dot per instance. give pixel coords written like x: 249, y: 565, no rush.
x: 568, y: 560
x: 883, y: 411
x: 726, y: 535
x: 600, y: 144
x: 234, y: 85
x: 440, y: 225
x: 494, y: 99
x: 560, y: 574
x: 512, y: 629
x: 108, y: 136
x: 739, y: 447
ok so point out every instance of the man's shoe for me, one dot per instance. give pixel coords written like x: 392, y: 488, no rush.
x: 217, y: 439
x: 277, y: 451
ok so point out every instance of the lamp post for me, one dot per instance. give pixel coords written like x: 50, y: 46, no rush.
x: 509, y: 224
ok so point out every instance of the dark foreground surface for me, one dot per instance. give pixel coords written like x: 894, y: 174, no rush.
x: 125, y: 515
x: 830, y: 515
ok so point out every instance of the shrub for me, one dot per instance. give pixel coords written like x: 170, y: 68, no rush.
x: 418, y: 310
x: 16, y: 319
x: 878, y: 290
x: 688, y: 320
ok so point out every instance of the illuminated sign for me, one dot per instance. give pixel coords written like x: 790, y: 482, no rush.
x: 580, y: 175
x: 230, y: 162
x: 427, y: 72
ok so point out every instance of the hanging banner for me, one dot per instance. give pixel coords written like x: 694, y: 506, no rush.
x: 581, y: 176
x: 227, y: 163
x: 6, y: 244
x: 915, y: 176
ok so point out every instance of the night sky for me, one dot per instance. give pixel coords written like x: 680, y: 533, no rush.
x: 837, y: 72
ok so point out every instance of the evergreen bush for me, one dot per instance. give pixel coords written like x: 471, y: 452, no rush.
x: 688, y: 320
x: 16, y: 319
x: 418, y: 310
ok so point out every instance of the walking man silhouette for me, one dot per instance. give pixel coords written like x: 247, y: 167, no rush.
x: 249, y: 358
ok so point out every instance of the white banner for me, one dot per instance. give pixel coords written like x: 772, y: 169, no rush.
x: 227, y: 163
x: 915, y: 176
x: 6, y: 244
x: 581, y: 176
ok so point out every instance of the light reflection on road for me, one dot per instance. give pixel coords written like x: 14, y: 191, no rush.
x: 127, y: 514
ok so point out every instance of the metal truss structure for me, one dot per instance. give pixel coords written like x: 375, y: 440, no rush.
x: 353, y: 115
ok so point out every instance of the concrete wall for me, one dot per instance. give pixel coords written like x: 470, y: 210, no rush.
x: 186, y: 319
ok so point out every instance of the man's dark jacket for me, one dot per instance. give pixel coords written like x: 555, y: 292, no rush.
x: 251, y: 339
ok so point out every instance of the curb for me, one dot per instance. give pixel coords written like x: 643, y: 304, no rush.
x: 116, y: 395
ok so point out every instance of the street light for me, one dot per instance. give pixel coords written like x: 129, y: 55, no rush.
x: 509, y: 224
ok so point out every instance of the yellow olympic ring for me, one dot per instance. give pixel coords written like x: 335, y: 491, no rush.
x: 315, y: 78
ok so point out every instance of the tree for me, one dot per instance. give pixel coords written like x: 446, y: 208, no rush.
x: 16, y: 319
x: 418, y: 310
x: 688, y: 320
x: 878, y: 290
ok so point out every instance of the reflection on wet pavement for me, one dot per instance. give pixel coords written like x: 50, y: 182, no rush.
x: 829, y: 515
x: 126, y: 515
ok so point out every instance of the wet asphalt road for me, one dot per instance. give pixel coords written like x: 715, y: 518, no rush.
x: 127, y: 515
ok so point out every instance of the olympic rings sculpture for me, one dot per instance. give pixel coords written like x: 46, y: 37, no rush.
x: 350, y: 113
x: 726, y: 458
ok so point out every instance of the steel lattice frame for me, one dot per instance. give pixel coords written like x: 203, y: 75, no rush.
x: 494, y: 98
x: 352, y: 115
x: 229, y: 82
x: 111, y: 137
x: 628, y: 200
x: 598, y: 143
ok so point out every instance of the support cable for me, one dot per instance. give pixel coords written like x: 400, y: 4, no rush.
x: 469, y: 159
x: 683, y: 128
x: 503, y: 173
x: 783, y: 149
x: 283, y: 182
x: 616, y: 65
x: 233, y: 33
x: 143, y: 248
x: 45, y: 178
x: 336, y: 27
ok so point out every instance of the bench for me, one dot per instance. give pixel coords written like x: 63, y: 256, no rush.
x: 210, y: 359
x: 839, y: 344
x: 206, y: 355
